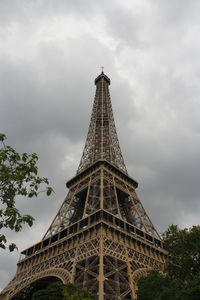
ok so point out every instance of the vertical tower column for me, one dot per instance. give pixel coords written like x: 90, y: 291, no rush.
x: 101, y: 269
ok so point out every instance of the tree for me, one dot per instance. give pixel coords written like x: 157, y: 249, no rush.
x: 52, y: 292
x: 18, y: 177
x: 184, y: 248
x: 70, y: 292
x: 156, y: 286
x: 182, y: 275
x: 59, y: 291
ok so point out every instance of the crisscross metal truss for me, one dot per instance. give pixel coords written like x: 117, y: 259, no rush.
x: 102, y: 141
x: 103, y: 189
x: 98, y: 259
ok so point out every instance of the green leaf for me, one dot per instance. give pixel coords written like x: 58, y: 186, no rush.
x: 49, y: 191
x: 2, y: 238
x: 12, y: 247
x: 2, y: 137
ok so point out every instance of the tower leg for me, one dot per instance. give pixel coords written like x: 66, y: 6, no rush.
x: 101, y: 271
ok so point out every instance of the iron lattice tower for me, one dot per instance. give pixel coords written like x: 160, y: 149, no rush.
x: 101, y: 238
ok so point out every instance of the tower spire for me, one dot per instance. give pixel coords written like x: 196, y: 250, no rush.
x: 102, y: 142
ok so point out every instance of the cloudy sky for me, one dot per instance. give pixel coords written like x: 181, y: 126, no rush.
x: 50, y: 53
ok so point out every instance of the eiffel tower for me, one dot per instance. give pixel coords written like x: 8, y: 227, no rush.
x: 101, y: 239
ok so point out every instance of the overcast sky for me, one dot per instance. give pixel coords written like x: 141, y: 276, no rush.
x: 50, y: 53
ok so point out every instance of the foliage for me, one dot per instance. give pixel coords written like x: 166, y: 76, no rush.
x: 18, y: 177
x: 182, y: 277
x: 156, y: 286
x: 70, y: 292
x: 57, y: 290
x: 52, y: 292
x: 184, y: 246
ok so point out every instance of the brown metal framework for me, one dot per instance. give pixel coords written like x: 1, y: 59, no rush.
x: 101, y: 238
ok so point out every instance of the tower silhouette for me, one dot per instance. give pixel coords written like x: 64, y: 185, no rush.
x: 101, y: 239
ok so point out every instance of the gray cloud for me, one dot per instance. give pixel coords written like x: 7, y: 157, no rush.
x: 50, y: 53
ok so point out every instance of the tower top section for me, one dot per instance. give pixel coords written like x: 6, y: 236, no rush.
x: 102, y: 76
x: 102, y: 141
